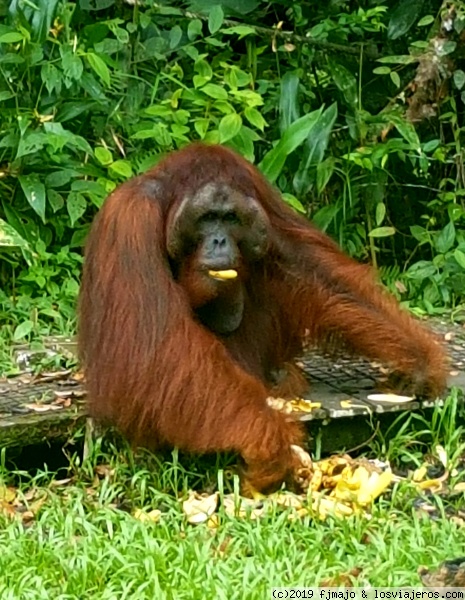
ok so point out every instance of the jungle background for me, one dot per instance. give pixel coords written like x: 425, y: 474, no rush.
x: 354, y: 109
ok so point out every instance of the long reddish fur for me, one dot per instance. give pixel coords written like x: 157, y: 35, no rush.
x: 163, y: 378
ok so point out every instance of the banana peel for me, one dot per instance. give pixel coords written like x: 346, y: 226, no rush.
x: 224, y: 275
x: 343, y: 486
x: 339, y: 486
x: 295, y: 405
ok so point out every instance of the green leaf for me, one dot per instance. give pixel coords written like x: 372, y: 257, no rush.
x: 273, y: 162
x: 421, y: 270
x: 87, y: 186
x: 243, y: 143
x: 103, y: 155
x: 318, y: 142
x: 71, y: 63
x: 22, y: 330
x: 231, y: 79
x: 194, y: 29
x: 325, y: 215
x: 161, y: 135
x: 404, y: 17
x: 398, y: 59
x: 215, y: 18
x: 212, y: 137
x: 431, y: 145
x: 204, y: 73
x: 447, y: 48
x: 248, y: 97
x: 460, y: 258
x: 324, y: 170
x: 406, y: 130
x: 55, y: 200
x: 314, y: 150
x: 379, y: 232
x: 9, y: 237
x: 255, y: 118
x: 158, y: 110
x: 34, y: 190
x: 199, y: 81
x: 201, y: 127
x: 426, y: 20
x: 346, y: 83
x: 459, y: 79
x: 395, y: 78
x: 60, y: 178
x: 11, y: 38
x: 446, y: 238
x: 76, y: 205
x: 215, y: 91
x: 380, y: 212
x: 5, y: 95
x: 175, y: 36
x: 382, y: 70
x: 42, y: 18
x: 288, y: 104
x: 294, y: 202
x: 203, y: 68
x: 422, y: 45
x: 242, y: 77
x: 51, y: 76
x: 99, y: 66
x: 419, y: 233
x: 240, y: 30
x: 229, y: 127
x: 122, y: 168
x: 31, y: 143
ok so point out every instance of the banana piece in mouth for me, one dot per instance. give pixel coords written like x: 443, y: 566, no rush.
x: 223, y: 275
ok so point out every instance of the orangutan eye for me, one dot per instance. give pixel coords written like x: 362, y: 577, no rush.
x: 231, y: 217
x: 208, y: 217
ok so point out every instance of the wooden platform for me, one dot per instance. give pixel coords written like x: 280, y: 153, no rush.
x: 34, y: 409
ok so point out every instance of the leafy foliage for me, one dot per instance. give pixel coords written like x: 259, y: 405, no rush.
x: 357, y: 116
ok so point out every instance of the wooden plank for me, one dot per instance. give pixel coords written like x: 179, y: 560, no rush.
x: 46, y: 407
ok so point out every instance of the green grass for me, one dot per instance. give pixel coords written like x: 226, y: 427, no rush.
x: 84, y: 541
x: 78, y: 551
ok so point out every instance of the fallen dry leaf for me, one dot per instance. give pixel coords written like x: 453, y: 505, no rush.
x: 224, y: 547
x: 104, y: 471
x: 40, y: 408
x: 52, y: 375
x: 69, y: 393
x: 342, y: 579
x: 450, y: 573
x: 61, y: 482
x: 7, y: 493
x: 6, y: 509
